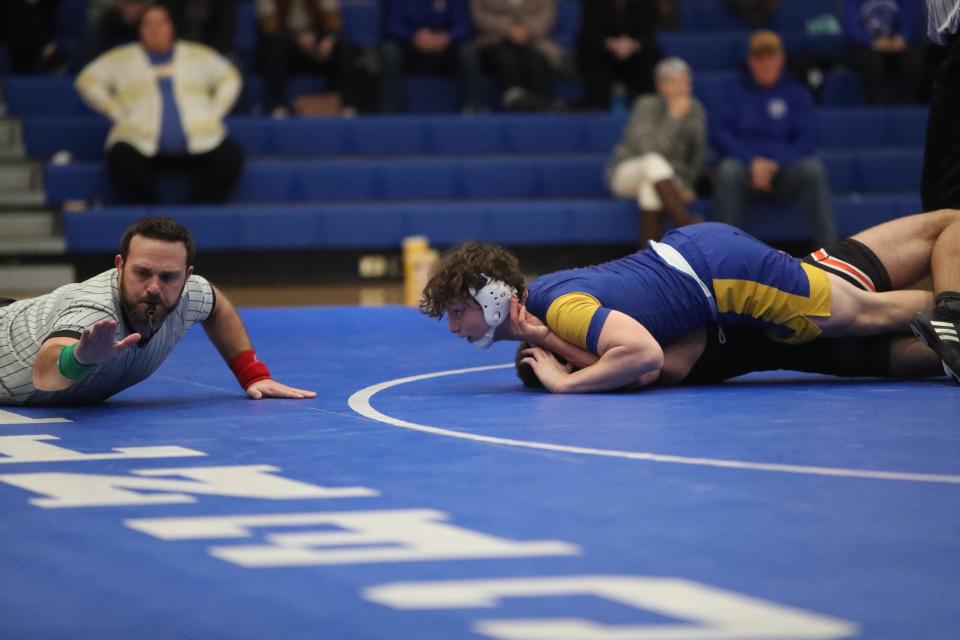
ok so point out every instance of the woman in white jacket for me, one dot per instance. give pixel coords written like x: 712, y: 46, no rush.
x: 167, y: 100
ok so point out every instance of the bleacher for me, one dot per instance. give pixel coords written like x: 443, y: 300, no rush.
x: 367, y: 182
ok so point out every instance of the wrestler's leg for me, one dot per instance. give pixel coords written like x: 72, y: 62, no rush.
x: 855, y: 312
x: 913, y: 246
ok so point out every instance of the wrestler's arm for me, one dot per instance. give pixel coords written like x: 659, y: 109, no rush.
x: 629, y: 355
x: 526, y: 327
x: 227, y: 333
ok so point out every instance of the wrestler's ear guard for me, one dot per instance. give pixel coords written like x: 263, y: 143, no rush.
x: 493, y: 296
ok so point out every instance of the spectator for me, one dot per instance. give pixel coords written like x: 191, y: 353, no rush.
x: 304, y: 36
x: 27, y: 27
x: 426, y: 37
x: 167, y: 100
x: 662, y: 152
x: 513, y: 37
x: 210, y: 22
x: 753, y: 12
x: 618, y: 43
x: 763, y: 129
x: 882, y: 39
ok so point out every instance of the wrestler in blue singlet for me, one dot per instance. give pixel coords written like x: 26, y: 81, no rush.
x: 702, y: 273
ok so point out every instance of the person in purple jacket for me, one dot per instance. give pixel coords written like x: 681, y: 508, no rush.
x: 882, y: 38
x: 426, y: 37
x: 763, y: 131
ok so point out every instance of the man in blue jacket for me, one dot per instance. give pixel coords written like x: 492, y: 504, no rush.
x: 425, y: 37
x: 763, y: 130
x: 882, y: 39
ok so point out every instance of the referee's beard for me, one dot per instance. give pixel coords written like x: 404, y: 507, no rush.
x: 136, y: 314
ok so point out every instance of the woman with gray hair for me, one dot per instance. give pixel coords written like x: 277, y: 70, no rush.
x: 662, y: 151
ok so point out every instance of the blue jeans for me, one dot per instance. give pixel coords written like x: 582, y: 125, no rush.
x: 804, y: 181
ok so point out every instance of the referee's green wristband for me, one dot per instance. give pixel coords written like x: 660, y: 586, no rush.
x: 67, y: 363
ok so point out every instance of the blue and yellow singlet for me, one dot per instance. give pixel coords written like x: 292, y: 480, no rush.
x: 703, y: 273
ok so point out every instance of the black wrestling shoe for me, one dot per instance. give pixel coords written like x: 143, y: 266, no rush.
x: 942, y: 334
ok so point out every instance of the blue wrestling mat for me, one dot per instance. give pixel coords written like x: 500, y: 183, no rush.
x: 425, y: 495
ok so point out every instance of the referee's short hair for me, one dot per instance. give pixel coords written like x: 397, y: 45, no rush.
x: 159, y: 228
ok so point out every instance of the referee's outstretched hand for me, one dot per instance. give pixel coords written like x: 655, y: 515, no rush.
x: 98, y: 343
x: 270, y: 388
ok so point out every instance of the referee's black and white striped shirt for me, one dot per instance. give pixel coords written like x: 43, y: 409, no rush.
x: 943, y: 18
x: 26, y: 324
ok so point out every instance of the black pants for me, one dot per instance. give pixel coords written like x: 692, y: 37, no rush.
x: 887, y: 78
x: 212, y: 174
x: 281, y: 57
x: 940, y: 187
x: 517, y: 66
x: 400, y: 58
x: 27, y: 28
x: 600, y: 70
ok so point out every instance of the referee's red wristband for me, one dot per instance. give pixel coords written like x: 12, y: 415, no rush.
x: 248, y: 369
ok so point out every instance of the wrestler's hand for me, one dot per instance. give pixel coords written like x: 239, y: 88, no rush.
x: 525, y: 326
x: 270, y: 388
x: 97, y: 343
x: 549, y: 370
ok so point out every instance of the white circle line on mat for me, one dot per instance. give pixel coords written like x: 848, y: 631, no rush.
x: 360, y: 403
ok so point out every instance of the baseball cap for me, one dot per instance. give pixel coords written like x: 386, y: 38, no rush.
x: 764, y: 41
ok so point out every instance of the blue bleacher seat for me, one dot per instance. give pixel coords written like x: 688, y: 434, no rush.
x: 851, y: 128
x: 707, y: 15
x: 82, y: 136
x: 603, y: 132
x: 467, y: 135
x: 841, y: 87
x: 908, y: 125
x: 43, y: 96
x: 351, y: 180
x: 892, y: 170
x: 546, y: 133
x: 431, y: 94
x: 390, y: 135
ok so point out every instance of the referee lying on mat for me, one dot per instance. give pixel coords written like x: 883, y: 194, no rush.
x: 84, y: 342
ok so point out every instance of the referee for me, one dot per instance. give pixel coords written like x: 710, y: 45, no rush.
x: 84, y: 342
x: 940, y: 187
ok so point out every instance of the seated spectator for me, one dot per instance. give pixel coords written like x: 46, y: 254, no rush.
x: 210, y: 22
x: 304, y: 36
x: 426, y: 37
x: 617, y: 43
x: 763, y: 130
x: 513, y: 38
x: 167, y: 100
x: 883, y: 48
x: 753, y: 12
x: 662, y: 152
x: 27, y: 27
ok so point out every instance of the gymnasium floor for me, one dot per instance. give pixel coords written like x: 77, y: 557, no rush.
x: 425, y: 495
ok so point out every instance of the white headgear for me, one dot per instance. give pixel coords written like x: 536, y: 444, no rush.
x: 493, y: 296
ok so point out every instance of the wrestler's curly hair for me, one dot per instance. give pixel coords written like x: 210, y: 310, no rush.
x: 463, y: 267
